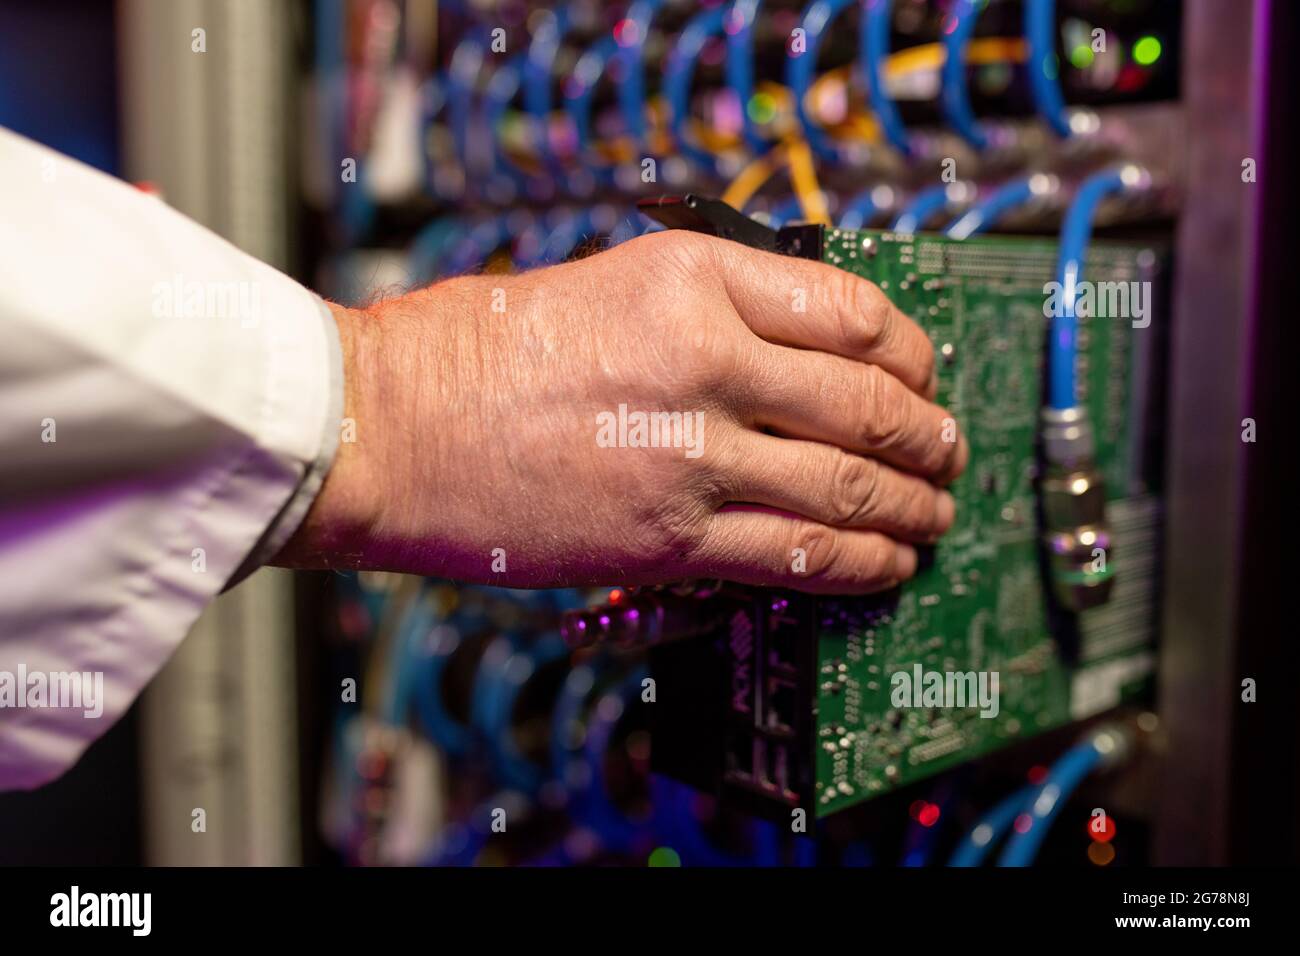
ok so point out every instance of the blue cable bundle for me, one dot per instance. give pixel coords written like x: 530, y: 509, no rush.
x: 800, y: 68
x: 680, y: 71
x: 631, y: 88
x: 986, y: 831
x: 874, y: 44
x: 1075, y: 233
x: 543, y: 48
x: 591, y: 66
x: 1044, y: 67
x: 865, y: 206
x: 1065, y: 775
x: 925, y: 204
x: 955, y: 97
x: 740, y: 66
x: 990, y: 210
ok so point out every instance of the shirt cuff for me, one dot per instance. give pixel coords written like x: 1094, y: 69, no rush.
x: 290, y: 517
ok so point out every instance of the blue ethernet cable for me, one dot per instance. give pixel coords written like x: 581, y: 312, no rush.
x: 805, y: 852
x: 432, y: 659
x: 740, y: 66
x: 799, y: 70
x: 630, y: 224
x: 865, y: 206
x: 596, y: 804
x: 507, y: 666
x: 462, y: 77
x: 975, y: 846
x: 581, y: 92
x: 1073, y: 496
x: 543, y: 48
x: 570, y: 703
x: 404, y: 671
x: 874, y: 30
x: 502, y: 87
x: 679, y: 71
x: 1044, y: 66
x: 924, y: 205
x: 430, y: 247
x: 480, y: 241
x: 1075, y: 233
x: 1042, y: 807
x: 955, y: 96
x: 530, y: 241
x: 1002, y: 200
x: 433, y: 100
x: 568, y: 229
x: 765, y: 844
x: 565, y: 229
x: 631, y: 87
x: 785, y: 211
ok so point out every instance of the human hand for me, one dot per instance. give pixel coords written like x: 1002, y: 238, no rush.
x: 489, y: 444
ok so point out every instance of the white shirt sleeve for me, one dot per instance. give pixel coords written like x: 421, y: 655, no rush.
x: 168, y: 409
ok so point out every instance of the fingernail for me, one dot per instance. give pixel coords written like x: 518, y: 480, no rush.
x: 945, y: 510
x: 963, y: 454
x: 905, y: 561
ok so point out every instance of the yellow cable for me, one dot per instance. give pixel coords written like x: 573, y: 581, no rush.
x: 803, y: 177
x: 979, y: 52
x: 791, y: 153
x: 754, y: 176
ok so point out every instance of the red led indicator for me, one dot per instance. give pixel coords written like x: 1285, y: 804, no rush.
x: 1101, y: 829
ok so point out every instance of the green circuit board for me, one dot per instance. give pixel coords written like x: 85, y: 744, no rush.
x: 982, y: 605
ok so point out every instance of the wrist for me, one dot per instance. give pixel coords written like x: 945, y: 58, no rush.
x: 339, y: 522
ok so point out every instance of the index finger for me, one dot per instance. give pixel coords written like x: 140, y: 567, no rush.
x: 813, y: 305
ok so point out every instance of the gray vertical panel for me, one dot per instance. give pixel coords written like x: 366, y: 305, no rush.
x: 1207, y: 362
x: 219, y: 722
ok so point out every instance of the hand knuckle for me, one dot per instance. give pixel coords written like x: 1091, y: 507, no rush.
x: 711, y: 356
x: 884, y: 411
x: 822, y: 547
x: 853, y: 488
x: 697, y: 255
x: 863, y: 313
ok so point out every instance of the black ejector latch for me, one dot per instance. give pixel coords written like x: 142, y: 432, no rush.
x: 713, y: 217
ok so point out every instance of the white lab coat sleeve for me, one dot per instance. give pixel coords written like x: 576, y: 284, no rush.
x: 169, y: 407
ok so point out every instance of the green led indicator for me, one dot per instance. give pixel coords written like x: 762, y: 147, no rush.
x: 664, y: 856
x: 762, y: 108
x: 1147, y: 50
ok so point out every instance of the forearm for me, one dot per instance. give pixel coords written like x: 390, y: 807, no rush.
x: 166, y: 413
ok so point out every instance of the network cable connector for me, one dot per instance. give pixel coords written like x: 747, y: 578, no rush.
x: 1076, y: 535
x: 1073, y: 494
